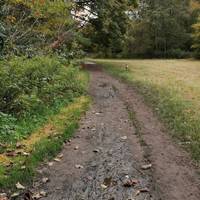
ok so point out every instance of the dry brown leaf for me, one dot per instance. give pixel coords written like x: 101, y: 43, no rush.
x: 57, y: 159
x: 50, y: 164
x: 144, y: 190
x: 39, y: 195
x: 104, y: 186
x: 45, y: 180
x: 137, y: 192
x: 130, y: 182
x: 43, y: 193
x: 60, y: 156
x: 124, y: 138
x: 14, y: 195
x: 19, y: 186
x: 96, y: 150
x: 76, y: 147
x: 79, y: 166
x: 145, y: 167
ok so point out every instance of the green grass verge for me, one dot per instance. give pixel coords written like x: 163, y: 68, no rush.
x: 178, y: 113
x: 66, y: 122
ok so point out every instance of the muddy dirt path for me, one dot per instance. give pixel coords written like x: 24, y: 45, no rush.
x: 109, y: 149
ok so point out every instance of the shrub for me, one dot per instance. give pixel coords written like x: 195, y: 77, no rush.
x: 27, y: 85
x: 7, y: 126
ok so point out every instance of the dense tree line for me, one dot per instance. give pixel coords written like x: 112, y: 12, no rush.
x: 163, y: 29
x: 153, y: 28
x: 107, y: 28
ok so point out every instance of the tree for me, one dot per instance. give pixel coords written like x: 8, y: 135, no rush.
x: 196, y: 38
x: 162, y: 28
x: 106, y: 23
x: 34, y: 25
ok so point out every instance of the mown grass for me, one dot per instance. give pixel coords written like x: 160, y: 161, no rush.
x: 63, y: 124
x: 172, y: 88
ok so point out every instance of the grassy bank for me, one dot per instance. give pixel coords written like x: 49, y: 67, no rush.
x: 172, y: 88
x: 41, y: 145
x: 41, y: 102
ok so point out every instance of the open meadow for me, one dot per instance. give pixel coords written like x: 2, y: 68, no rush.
x: 172, y: 87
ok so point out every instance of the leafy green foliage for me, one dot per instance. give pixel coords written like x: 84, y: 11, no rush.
x: 26, y: 84
x: 32, y: 26
x: 196, y: 38
x: 108, y: 25
x: 31, y: 89
x: 162, y: 29
x: 66, y: 122
x: 7, y: 126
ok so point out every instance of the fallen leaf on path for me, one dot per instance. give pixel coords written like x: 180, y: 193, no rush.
x: 50, y: 164
x: 60, y: 155
x: 104, y: 186
x: 19, y: 186
x: 108, y: 181
x: 57, y: 159
x: 137, y: 192
x: 76, y: 147
x: 45, y: 180
x: 144, y: 190
x: 43, y: 193
x: 96, y: 150
x: 79, y: 166
x: 130, y: 182
x: 39, y: 195
x: 145, y: 167
x: 14, y: 195
x: 90, y: 178
x: 124, y: 138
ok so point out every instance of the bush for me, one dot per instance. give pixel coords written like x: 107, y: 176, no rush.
x: 27, y: 85
x: 7, y: 126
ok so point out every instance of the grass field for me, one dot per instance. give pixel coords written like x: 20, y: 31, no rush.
x: 172, y: 88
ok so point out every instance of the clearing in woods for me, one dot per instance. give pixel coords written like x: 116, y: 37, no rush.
x: 121, y: 151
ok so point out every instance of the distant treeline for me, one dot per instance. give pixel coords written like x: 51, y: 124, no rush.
x: 156, y: 28
x: 106, y: 28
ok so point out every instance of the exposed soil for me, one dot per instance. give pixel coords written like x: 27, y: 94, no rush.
x: 109, y: 161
